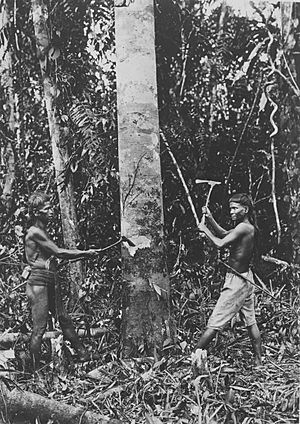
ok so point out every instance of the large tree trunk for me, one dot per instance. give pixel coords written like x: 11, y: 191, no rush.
x: 7, y: 83
x: 59, y: 148
x: 146, y: 314
x: 25, y: 405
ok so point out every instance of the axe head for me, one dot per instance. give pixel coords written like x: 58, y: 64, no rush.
x: 126, y: 240
x: 210, y: 182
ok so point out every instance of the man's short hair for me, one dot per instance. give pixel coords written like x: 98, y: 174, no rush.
x: 37, y: 201
x: 243, y: 199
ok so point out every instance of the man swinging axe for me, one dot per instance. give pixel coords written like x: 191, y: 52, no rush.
x: 237, y: 294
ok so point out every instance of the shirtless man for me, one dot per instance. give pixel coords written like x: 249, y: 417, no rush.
x: 42, y: 288
x: 237, y: 294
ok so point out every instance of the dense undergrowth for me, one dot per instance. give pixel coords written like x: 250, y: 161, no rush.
x: 164, y: 390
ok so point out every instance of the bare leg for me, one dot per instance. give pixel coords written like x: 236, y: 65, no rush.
x: 57, y: 309
x: 38, y: 296
x: 206, y: 338
x: 70, y: 334
x: 255, y: 338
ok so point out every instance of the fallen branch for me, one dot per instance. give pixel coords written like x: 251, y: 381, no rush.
x: 241, y: 137
x: 275, y: 261
x: 27, y: 405
x: 14, y: 337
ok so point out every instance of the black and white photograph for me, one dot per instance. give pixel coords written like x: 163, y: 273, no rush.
x: 149, y: 211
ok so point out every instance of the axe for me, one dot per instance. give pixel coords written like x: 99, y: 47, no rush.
x: 122, y: 239
x: 211, y: 184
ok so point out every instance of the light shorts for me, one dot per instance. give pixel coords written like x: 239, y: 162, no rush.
x: 236, y: 296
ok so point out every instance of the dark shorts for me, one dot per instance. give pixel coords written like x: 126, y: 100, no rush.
x: 41, y: 277
x: 50, y: 297
x: 43, y: 291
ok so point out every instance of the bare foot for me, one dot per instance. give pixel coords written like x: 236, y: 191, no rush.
x: 258, y: 362
x: 199, y: 362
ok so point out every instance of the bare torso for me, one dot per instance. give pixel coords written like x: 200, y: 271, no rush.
x: 36, y: 256
x: 241, y: 250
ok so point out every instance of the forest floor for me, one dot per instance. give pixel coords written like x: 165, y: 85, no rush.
x: 143, y: 390
x: 149, y: 390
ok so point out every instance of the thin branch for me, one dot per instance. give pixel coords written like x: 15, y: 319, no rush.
x: 6, y: 137
x: 184, y: 71
x: 274, y: 105
x: 227, y: 179
x: 274, y: 200
x: 259, y: 183
x: 186, y: 55
x: 295, y: 89
x: 262, y: 199
x: 266, y: 291
x: 291, y: 75
x: 182, y: 180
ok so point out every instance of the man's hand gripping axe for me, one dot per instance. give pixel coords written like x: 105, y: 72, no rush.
x: 212, y: 184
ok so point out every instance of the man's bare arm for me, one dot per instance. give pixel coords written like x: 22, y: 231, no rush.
x: 41, y: 239
x: 218, y: 230
x: 233, y: 235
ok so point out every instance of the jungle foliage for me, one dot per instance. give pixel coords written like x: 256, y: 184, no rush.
x: 229, y: 108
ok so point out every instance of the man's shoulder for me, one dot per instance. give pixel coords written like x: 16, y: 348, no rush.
x: 245, y: 227
x: 34, y: 232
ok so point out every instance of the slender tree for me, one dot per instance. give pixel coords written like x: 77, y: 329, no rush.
x: 6, y: 60
x: 59, y: 147
x: 146, y: 314
x: 214, y: 82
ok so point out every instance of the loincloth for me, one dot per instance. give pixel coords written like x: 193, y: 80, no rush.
x: 41, y: 277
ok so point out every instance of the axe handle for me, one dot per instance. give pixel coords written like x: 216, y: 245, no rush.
x: 207, y: 202
x: 108, y: 247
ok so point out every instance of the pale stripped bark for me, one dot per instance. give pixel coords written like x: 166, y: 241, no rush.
x: 59, y: 149
x: 146, y: 314
x: 8, y: 155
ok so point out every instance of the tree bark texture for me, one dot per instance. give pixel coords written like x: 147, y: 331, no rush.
x: 146, y: 312
x: 296, y: 50
x: 59, y: 148
x: 26, y: 405
x: 214, y: 83
x: 7, y: 83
